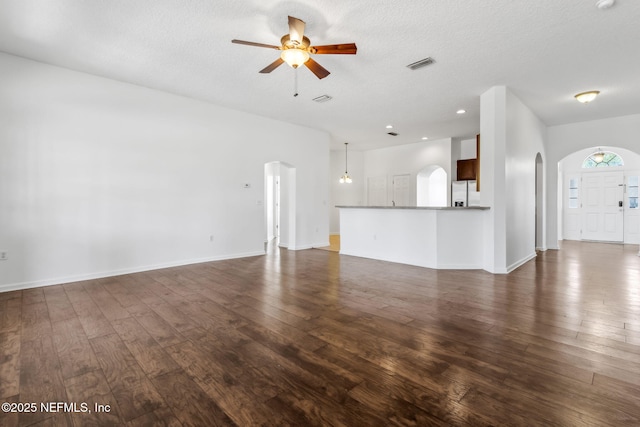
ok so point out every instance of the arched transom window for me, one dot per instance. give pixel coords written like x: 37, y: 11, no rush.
x: 602, y: 159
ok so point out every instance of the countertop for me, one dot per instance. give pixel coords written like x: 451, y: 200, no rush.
x: 434, y: 208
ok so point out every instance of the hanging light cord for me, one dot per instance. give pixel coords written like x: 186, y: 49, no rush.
x: 345, y: 158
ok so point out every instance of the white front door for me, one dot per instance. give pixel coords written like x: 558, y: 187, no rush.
x: 602, y: 210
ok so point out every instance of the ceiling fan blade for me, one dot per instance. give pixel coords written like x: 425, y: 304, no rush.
x: 333, y: 49
x: 275, y: 64
x: 296, y: 29
x: 317, y: 69
x: 270, y: 46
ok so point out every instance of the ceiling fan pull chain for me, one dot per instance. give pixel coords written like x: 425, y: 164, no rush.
x: 295, y: 82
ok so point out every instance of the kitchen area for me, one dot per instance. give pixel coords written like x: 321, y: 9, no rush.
x: 403, y: 210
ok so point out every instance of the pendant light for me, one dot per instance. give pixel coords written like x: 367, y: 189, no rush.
x: 345, y: 178
x: 598, y: 157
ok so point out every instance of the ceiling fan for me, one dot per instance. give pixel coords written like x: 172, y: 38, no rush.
x: 296, y: 49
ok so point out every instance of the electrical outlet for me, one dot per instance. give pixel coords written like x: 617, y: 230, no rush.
x: 4, y: 255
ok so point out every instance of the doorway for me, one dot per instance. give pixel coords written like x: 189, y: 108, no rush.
x: 401, y: 190
x: 431, y: 186
x: 377, y: 191
x: 540, y: 243
x: 593, y: 183
x: 603, y: 206
x: 280, y: 205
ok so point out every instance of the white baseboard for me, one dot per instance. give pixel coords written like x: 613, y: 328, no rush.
x: 101, y: 275
x: 311, y: 246
x: 520, y: 262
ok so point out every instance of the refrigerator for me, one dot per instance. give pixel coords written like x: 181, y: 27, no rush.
x: 463, y: 193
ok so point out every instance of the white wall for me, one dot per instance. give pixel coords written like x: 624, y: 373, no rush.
x: 622, y: 132
x: 511, y: 137
x: 526, y: 135
x: 99, y: 177
x: 492, y: 177
x: 407, y: 159
x: 468, y: 149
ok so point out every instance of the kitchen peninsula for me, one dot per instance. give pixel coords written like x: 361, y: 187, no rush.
x: 433, y: 237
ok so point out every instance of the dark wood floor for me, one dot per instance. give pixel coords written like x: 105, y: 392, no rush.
x: 314, y: 338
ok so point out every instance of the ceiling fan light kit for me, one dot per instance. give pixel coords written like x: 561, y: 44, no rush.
x: 297, y: 50
x: 294, y: 57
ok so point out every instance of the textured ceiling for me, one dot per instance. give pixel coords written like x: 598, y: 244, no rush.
x: 545, y: 51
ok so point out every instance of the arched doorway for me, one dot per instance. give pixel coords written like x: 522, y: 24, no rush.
x: 597, y: 190
x: 431, y: 186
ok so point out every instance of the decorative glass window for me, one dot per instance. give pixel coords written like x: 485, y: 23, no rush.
x: 632, y: 190
x: 573, y: 193
x: 601, y: 159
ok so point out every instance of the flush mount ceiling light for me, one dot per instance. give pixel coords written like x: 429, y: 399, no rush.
x: 389, y: 127
x: 424, y: 138
x: 461, y: 111
x: 604, y: 4
x: 586, y: 97
x: 345, y: 178
x: 598, y: 156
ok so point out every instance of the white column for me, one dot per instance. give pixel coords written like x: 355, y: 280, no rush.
x: 492, y: 176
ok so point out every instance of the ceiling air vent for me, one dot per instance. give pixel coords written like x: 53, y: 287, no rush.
x: 322, y: 98
x: 392, y: 133
x: 422, y: 63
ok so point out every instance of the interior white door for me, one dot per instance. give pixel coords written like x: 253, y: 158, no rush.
x: 401, y: 190
x: 377, y: 190
x: 602, y: 206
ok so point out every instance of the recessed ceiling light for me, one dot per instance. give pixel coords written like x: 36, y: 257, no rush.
x: 604, y: 4
x: 389, y: 127
x: 461, y: 111
x: 586, y: 97
x: 424, y: 138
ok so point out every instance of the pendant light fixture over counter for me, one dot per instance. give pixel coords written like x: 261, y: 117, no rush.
x: 345, y: 178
